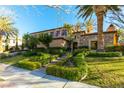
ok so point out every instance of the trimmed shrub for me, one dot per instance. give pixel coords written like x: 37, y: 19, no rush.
x: 54, y: 57
x: 29, y: 53
x: 28, y: 65
x: 7, y: 54
x: 57, y: 51
x: 104, y: 54
x: 114, y: 48
x: 84, y: 47
x: 79, y: 60
x: 4, y: 55
x: 43, y: 58
x: 71, y: 73
x: 40, y: 50
x: 76, y: 51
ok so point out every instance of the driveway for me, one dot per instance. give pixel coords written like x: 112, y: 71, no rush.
x: 13, y: 77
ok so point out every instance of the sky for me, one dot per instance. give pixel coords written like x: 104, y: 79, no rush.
x: 38, y: 18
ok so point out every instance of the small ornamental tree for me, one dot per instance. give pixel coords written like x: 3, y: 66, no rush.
x: 70, y: 35
x: 30, y: 41
x: 45, y: 39
x: 33, y: 42
x: 25, y: 40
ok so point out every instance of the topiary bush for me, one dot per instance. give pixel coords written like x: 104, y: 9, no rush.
x: 28, y: 65
x: 79, y: 60
x: 104, y: 54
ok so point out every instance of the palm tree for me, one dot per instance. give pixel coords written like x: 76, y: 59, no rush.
x: 86, y: 11
x: 6, y: 26
x: 89, y: 26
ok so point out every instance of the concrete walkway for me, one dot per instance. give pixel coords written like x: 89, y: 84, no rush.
x: 14, y: 77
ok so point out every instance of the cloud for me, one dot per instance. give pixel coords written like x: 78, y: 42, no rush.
x: 8, y: 12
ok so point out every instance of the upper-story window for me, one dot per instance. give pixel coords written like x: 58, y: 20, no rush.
x: 52, y: 33
x: 64, y: 33
x: 57, y: 33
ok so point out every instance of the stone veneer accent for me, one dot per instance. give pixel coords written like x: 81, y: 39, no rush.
x: 85, y: 40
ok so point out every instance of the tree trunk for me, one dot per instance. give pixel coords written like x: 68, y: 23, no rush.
x: 71, y: 46
x: 100, y: 37
x: 17, y: 48
x: 1, y: 48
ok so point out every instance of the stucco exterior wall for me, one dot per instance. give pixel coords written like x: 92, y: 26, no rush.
x: 55, y: 43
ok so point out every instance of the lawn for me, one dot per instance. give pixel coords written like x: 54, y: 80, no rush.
x: 106, y: 72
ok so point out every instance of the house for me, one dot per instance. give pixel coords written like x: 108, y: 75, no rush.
x: 81, y: 38
x: 11, y: 42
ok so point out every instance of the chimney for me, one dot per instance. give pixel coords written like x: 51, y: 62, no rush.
x: 111, y: 28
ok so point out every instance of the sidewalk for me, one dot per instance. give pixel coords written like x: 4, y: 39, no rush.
x: 19, y: 78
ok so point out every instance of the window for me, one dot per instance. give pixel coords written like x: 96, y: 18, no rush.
x: 64, y: 33
x: 57, y: 33
x: 52, y: 33
x: 13, y: 41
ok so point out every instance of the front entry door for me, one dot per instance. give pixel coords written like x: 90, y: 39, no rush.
x: 75, y: 45
x: 94, y: 45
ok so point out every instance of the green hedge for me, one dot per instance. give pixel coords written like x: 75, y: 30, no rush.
x: 28, y: 65
x: 57, y: 51
x: 43, y: 58
x: 76, y: 51
x: 71, y: 73
x: 29, y: 53
x: 114, y: 48
x: 104, y: 54
x: 84, y: 47
x: 40, y: 50
x: 4, y: 55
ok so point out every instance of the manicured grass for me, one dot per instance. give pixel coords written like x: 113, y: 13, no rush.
x: 105, y: 72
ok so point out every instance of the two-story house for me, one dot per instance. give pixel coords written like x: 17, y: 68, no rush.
x: 81, y: 38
